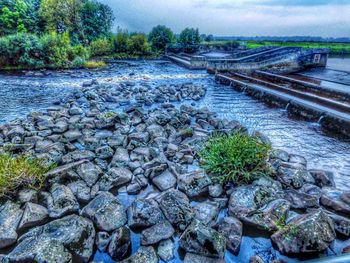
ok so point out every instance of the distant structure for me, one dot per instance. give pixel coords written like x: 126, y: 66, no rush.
x: 272, y: 59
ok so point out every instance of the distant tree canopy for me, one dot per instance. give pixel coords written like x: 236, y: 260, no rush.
x: 160, y: 37
x: 189, y: 37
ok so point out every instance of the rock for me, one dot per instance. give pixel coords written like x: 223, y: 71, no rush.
x: 300, y: 200
x: 61, y: 201
x: 33, y: 215
x: 207, y: 212
x: 194, y: 184
x: 80, y: 190
x: 104, y: 152
x: 231, y: 228
x: 269, y: 217
x: 58, y: 241
x: 89, y: 172
x: 323, y: 178
x: 166, y: 249
x: 306, y: 233
x: 72, y: 135
x: 143, y: 255
x: 27, y: 195
x: 203, y: 240
x: 144, y: 213
x: 194, y: 258
x: 75, y: 111
x: 249, y: 198
x: 256, y: 259
x: 106, y: 212
x: 102, y: 241
x: 335, y: 199
x: 164, y: 181
x: 10, y: 216
x: 157, y: 233
x: 294, y: 175
x: 78, y: 155
x: 120, y: 243
x: 176, y: 208
x: 215, y: 190
x: 60, y: 127
x: 117, y: 176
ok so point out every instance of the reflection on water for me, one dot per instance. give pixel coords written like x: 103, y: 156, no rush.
x: 339, y: 63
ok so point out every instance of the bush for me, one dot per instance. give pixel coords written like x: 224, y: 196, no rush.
x: 21, y: 171
x: 236, y: 158
x: 138, y: 44
x: 121, y: 41
x: 78, y: 51
x: 94, y: 64
x: 160, y: 37
x: 101, y: 47
x: 55, y: 49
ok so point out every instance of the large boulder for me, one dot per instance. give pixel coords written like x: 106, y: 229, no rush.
x: 106, y: 212
x: 157, y: 233
x: 10, y: 216
x: 307, y: 233
x: 33, y: 215
x: 62, y: 240
x: 61, y: 202
x: 176, y: 208
x: 335, y: 199
x: 143, y: 255
x: 144, y: 213
x: 203, y: 240
x: 301, y: 200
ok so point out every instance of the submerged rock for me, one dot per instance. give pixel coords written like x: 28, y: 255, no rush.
x: 106, y: 212
x: 203, y: 240
x: 61, y: 240
x: 307, y: 233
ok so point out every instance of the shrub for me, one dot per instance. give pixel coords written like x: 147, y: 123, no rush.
x: 94, y: 64
x: 78, y: 51
x: 21, y: 171
x: 235, y: 158
x: 138, y: 44
x: 101, y: 47
x: 121, y: 41
x: 55, y: 49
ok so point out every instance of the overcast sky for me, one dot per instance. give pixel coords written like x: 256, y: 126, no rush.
x: 326, y: 18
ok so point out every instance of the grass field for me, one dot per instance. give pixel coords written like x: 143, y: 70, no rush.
x: 336, y: 48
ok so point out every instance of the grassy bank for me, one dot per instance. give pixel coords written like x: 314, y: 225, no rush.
x: 335, y: 48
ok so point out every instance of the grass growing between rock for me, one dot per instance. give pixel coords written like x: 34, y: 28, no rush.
x: 17, y: 171
x: 236, y: 158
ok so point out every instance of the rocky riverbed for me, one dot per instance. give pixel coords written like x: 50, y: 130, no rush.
x: 129, y: 187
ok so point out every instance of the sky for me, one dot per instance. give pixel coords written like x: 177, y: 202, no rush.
x: 326, y: 18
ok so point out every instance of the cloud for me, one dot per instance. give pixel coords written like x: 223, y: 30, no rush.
x: 328, y: 18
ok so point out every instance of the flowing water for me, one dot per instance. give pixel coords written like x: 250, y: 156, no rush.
x: 20, y: 94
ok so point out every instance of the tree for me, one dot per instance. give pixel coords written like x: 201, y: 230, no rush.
x: 121, y: 41
x: 97, y: 20
x: 13, y: 14
x: 190, y: 39
x: 160, y: 37
x: 63, y: 16
x: 138, y: 44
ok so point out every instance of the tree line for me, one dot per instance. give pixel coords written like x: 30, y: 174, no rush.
x: 67, y: 33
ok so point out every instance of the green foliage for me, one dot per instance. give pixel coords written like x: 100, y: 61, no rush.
x: 19, y: 171
x: 160, y: 37
x: 55, y: 48
x: 97, y: 20
x: 138, y: 44
x: 237, y: 158
x: 121, y: 41
x: 101, y: 47
x: 190, y: 39
x: 94, y: 64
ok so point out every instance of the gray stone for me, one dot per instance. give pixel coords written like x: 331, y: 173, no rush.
x: 203, y: 240
x: 61, y: 201
x: 143, y: 255
x: 78, y: 155
x: 89, y: 172
x: 194, y: 258
x: 121, y: 157
x: 157, y: 233
x: 120, y: 243
x: 102, y: 241
x: 10, y: 216
x: 215, y: 190
x: 117, y: 176
x: 72, y: 135
x: 60, y: 127
x: 80, y: 190
x: 194, y: 184
x: 104, y: 152
x: 144, y: 213
x: 33, y: 215
x: 207, y: 212
x: 306, y: 233
x: 106, y: 212
x: 164, y: 181
x: 176, y: 208
x: 323, y: 178
x: 232, y: 229
x: 300, y: 200
x: 335, y: 199
x: 166, y: 249
x: 76, y: 234
x: 28, y: 195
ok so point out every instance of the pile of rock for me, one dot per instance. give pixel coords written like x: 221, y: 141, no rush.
x: 102, y: 154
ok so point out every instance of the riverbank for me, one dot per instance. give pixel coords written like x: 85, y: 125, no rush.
x: 132, y: 139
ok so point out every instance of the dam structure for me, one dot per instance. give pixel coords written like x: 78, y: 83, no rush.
x: 292, y: 78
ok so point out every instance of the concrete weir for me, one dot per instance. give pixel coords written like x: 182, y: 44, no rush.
x: 329, y: 107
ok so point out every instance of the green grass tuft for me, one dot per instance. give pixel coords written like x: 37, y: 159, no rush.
x: 237, y: 158
x: 92, y: 64
x: 18, y: 171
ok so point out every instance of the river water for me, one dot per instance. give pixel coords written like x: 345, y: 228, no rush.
x: 21, y: 94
